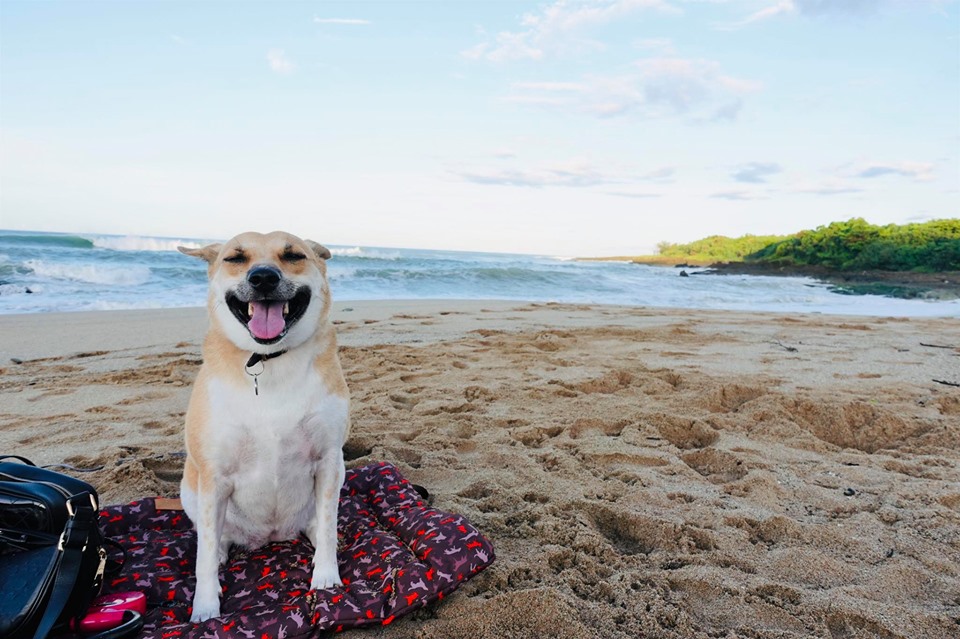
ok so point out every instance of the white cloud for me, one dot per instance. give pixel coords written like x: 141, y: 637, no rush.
x: 728, y: 112
x: 345, y: 21
x: 919, y: 171
x: 819, y: 8
x: 279, y: 62
x: 636, y: 196
x: 575, y: 172
x: 662, y: 175
x: 677, y: 82
x: 508, y: 46
x: 738, y: 196
x: 829, y: 187
x: 786, y: 7
x: 756, y: 172
x: 555, y: 27
x: 657, y: 87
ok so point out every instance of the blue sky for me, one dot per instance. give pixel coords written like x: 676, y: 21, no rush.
x: 565, y: 128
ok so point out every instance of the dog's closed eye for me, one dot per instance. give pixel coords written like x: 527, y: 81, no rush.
x: 292, y: 256
x: 236, y: 258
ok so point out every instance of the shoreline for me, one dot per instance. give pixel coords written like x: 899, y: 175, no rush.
x: 640, y: 471
x: 943, y: 286
x: 938, y: 286
x: 898, y: 284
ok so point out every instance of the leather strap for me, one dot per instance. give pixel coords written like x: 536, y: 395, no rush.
x: 17, y: 457
x: 257, y: 357
x: 74, y: 540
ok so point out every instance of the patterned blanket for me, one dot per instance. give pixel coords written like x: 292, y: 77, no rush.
x: 396, y: 554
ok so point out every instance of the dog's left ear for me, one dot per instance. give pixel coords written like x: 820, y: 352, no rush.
x: 208, y: 253
x: 320, y: 250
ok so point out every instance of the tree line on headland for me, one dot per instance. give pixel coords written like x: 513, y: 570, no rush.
x: 853, y: 245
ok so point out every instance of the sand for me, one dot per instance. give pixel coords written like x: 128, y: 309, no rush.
x: 641, y: 472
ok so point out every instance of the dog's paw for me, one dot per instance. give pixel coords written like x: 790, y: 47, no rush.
x: 325, y: 577
x: 204, y: 608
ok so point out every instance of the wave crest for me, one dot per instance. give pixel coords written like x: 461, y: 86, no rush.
x: 90, y: 273
x: 365, y: 253
x: 46, y: 239
x: 140, y: 243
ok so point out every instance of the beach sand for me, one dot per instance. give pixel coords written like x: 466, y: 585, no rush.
x: 640, y: 472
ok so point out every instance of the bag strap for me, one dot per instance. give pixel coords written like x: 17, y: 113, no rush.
x: 18, y: 457
x: 72, y: 542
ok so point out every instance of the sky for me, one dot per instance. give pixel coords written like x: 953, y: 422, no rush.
x: 569, y: 128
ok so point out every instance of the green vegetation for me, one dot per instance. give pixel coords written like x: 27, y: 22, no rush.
x: 718, y: 248
x: 845, y: 246
x: 857, y: 245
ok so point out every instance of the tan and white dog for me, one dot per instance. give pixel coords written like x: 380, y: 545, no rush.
x: 269, y: 412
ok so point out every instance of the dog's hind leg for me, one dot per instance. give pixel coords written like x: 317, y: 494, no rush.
x: 223, y: 549
x: 323, y: 529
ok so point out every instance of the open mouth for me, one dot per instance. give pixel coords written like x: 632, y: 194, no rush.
x: 268, y: 320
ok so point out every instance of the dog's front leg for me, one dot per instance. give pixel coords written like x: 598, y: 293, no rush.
x: 212, y: 507
x: 323, y: 530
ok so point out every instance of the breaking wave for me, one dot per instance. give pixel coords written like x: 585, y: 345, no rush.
x: 138, y: 243
x: 121, y: 275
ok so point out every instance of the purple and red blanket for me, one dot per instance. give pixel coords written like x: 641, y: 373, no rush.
x: 396, y: 554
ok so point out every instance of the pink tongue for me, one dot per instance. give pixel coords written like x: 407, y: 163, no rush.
x: 267, y: 321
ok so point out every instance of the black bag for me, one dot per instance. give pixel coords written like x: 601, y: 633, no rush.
x: 52, y: 557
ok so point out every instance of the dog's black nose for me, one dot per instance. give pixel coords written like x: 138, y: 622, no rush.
x: 264, y: 279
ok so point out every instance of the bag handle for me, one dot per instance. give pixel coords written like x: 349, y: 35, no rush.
x: 75, y: 536
x: 18, y: 457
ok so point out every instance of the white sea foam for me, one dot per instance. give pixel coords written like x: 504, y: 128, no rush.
x: 14, y: 289
x: 366, y: 253
x: 138, y: 243
x: 127, y: 275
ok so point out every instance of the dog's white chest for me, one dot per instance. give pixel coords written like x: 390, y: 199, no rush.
x: 266, y: 449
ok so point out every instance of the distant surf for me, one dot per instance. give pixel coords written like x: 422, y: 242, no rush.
x: 50, y: 272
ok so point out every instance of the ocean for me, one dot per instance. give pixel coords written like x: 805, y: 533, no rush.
x: 53, y: 272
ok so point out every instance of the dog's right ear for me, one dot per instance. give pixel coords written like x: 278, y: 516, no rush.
x: 208, y: 253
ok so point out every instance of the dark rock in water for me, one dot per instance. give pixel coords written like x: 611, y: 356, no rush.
x: 684, y: 274
x: 684, y: 265
x: 28, y: 291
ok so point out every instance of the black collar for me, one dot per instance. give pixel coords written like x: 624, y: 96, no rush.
x: 257, y: 357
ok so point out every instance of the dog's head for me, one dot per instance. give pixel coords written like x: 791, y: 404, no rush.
x: 267, y: 292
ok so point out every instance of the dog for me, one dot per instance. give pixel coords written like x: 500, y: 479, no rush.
x: 269, y: 411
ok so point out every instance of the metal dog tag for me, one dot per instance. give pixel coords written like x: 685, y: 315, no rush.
x: 256, y: 384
